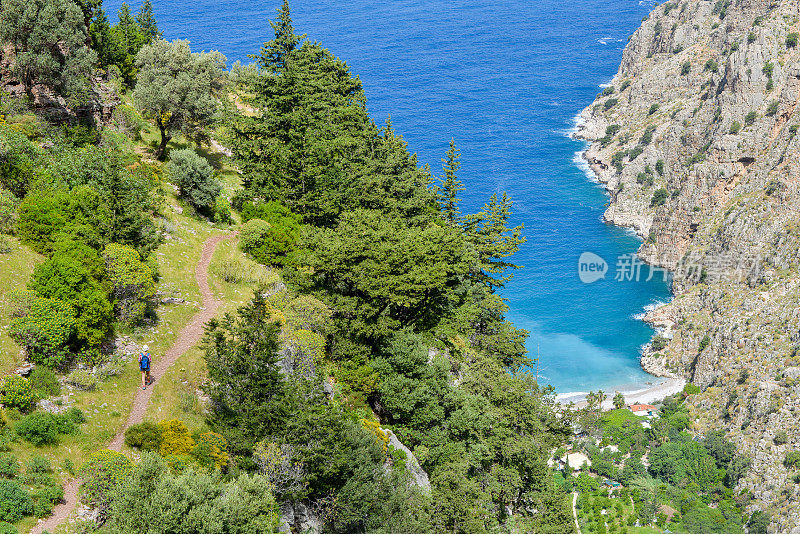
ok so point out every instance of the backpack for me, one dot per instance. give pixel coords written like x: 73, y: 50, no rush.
x: 144, y: 363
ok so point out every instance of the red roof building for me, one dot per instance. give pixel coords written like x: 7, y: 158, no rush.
x: 636, y: 408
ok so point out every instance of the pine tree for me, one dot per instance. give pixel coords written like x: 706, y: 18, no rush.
x: 494, y: 240
x: 147, y: 22
x: 127, y: 28
x: 100, y: 32
x: 128, y: 40
x: 451, y: 185
x: 273, y: 53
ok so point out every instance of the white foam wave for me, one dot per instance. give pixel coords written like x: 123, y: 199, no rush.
x: 583, y: 165
x: 650, y: 307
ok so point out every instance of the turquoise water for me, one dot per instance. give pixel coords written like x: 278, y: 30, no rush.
x: 506, y: 80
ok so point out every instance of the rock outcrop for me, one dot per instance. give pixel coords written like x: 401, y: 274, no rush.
x: 698, y: 148
x: 96, y: 107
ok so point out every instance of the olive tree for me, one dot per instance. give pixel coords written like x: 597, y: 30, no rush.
x: 50, y: 42
x: 176, y: 87
x: 194, y: 178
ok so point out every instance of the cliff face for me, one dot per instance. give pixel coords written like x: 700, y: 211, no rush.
x: 698, y: 148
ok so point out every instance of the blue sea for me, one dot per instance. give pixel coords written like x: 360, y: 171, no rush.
x: 506, y: 81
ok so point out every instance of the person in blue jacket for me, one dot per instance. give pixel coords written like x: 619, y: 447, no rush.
x: 144, y: 365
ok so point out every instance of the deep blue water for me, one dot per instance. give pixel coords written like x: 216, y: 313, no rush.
x: 505, y: 79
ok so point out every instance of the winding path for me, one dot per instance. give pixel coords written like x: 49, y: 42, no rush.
x: 188, y: 338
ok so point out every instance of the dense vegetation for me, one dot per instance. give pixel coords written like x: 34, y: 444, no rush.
x: 651, y: 471
x: 390, y: 328
x: 374, y: 386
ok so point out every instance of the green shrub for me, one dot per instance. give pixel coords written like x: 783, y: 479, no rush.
x: 9, y: 465
x: 645, y: 179
x: 44, y: 382
x: 735, y: 128
x: 194, y: 178
x: 610, y: 103
x: 102, y: 473
x: 15, y: 502
x: 711, y: 65
x: 660, y: 167
x: 791, y: 40
x: 222, y: 211
x: 75, y: 415
x: 16, y: 392
x: 608, y: 91
x: 659, y: 198
x: 253, y: 234
x: 780, y: 438
x: 772, y: 109
x: 792, y: 459
x: 659, y: 343
x: 647, y: 136
x: 8, y: 211
x: 751, y: 37
x: 691, y: 389
x: 686, y: 67
x: 8, y: 528
x: 750, y: 118
x: 635, y: 152
x: 75, y: 274
x: 145, y: 436
x: 132, y: 281
x: 209, y: 450
x: 624, y: 85
x: 44, y: 330
x: 273, y: 243
x: 653, y: 109
x: 44, y: 428
x: 704, y: 343
x: 38, y: 465
x: 82, y: 379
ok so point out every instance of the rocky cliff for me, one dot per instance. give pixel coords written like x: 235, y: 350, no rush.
x: 696, y: 141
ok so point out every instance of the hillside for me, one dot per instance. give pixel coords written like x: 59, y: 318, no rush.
x: 695, y: 140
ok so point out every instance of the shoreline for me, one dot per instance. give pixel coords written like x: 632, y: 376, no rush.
x: 650, y: 395
x: 669, y: 384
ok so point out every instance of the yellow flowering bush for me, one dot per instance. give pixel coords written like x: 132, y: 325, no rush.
x: 175, y: 438
x: 210, y: 449
x: 17, y: 392
x: 380, y: 435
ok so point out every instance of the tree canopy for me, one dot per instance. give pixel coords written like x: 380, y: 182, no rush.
x: 176, y: 88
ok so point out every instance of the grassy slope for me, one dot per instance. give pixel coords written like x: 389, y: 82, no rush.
x: 107, y: 408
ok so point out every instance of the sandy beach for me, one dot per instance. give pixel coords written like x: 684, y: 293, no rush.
x: 649, y: 395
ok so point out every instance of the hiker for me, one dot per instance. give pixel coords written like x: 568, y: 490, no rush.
x: 144, y: 366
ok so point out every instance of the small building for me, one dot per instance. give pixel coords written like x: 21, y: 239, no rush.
x: 643, y: 410
x: 576, y: 460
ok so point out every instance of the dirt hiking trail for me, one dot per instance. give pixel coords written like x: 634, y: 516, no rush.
x: 188, y: 338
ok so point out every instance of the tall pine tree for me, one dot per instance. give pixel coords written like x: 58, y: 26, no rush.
x: 450, y: 187
x: 273, y: 53
x: 494, y: 240
x: 147, y: 22
x: 102, y: 37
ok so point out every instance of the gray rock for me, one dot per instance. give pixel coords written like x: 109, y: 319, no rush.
x: 418, y: 475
